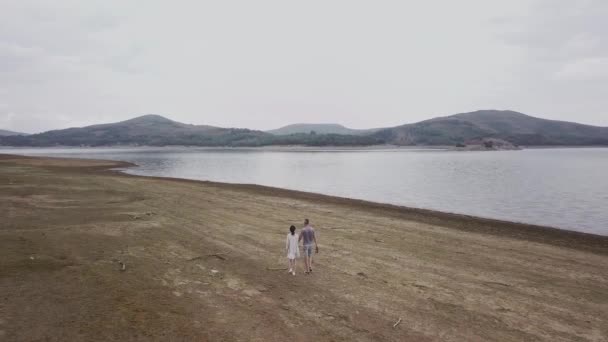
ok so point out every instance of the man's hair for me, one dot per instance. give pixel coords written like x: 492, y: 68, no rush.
x: 306, y: 221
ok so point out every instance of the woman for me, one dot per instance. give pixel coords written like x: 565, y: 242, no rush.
x: 291, y: 246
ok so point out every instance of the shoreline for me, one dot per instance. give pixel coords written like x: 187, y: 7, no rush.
x: 468, y: 223
x: 305, y: 148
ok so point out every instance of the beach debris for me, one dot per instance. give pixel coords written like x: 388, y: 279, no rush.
x: 262, y: 289
x: 215, y: 271
x: 123, y: 266
x: 140, y: 216
x: 397, y: 323
x: 32, y: 257
x: 378, y: 240
x: 361, y: 274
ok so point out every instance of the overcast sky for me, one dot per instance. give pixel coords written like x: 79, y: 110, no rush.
x: 263, y: 64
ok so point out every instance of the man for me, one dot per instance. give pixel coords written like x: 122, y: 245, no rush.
x: 307, y: 234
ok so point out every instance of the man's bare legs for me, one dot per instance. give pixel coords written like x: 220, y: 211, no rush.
x: 305, y: 263
x: 310, y: 258
x: 310, y: 263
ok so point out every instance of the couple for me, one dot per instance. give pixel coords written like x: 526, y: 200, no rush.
x: 307, y: 234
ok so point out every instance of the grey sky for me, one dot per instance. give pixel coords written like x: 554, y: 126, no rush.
x: 264, y: 64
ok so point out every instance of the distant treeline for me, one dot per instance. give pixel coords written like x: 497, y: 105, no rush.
x: 228, y: 137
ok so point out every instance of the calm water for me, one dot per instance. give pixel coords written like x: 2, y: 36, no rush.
x: 566, y: 188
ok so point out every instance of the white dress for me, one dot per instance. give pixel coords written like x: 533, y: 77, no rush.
x: 292, y: 246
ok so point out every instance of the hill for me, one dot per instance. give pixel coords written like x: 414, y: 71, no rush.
x: 514, y: 127
x: 155, y: 130
x: 319, y: 129
x: 5, y: 133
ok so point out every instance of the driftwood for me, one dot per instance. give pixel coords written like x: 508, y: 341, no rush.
x: 338, y: 228
x: 217, y: 255
x: 490, y: 283
x: 396, y: 324
x: 220, y: 256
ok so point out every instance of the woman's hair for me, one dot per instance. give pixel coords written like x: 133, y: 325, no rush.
x: 292, y: 229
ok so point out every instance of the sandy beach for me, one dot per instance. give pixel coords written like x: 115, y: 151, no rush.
x: 89, y: 254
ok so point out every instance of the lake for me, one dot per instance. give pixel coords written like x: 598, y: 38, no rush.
x: 562, y: 187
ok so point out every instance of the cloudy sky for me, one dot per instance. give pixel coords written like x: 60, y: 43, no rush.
x: 263, y: 64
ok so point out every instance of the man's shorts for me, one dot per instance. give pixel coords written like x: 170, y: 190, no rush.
x: 308, y: 250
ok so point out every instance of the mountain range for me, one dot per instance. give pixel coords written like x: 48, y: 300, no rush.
x: 459, y: 129
x: 320, y: 129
